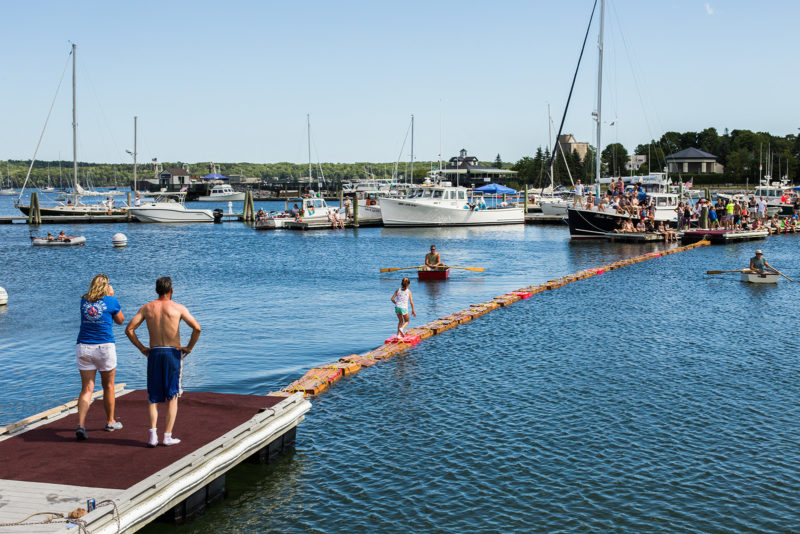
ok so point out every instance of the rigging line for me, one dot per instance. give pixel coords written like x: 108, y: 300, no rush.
x: 41, y: 136
x: 637, y: 84
x: 85, y: 70
x: 572, y: 86
x: 402, y: 148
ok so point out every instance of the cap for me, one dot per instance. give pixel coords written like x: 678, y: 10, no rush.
x: 759, y: 251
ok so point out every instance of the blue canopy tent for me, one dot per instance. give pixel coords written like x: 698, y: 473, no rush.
x: 214, y: 176
x: 496, y: 189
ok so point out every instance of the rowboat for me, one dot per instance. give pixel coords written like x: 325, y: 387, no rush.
x: 755, y: 278
x: 438, y: 274
x: 70, y: 241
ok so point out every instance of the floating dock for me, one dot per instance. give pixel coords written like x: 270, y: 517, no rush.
x: 540, y: 218
x: 636, y: 237
x: 721, y: 236
x: 320, y: 378
x: 46, y: 474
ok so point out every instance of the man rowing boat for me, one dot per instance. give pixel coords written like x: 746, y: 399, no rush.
x: 433, y: 260
x: 759, y: 263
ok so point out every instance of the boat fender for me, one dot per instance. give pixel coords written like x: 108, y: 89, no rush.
x: 3, y: 297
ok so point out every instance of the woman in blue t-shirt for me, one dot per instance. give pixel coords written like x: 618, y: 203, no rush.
x: 96, y: 350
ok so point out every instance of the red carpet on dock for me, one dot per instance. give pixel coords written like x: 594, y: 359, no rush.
x: 120, y: 459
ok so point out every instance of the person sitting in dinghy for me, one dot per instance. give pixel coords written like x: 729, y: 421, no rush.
x: 62, y: 236
x: 760, y: 264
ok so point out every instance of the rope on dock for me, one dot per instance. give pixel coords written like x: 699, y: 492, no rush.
x: 73, y: 518
x: 320, y: 378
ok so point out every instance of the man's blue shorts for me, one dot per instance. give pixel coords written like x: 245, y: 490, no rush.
x: 164, y: 366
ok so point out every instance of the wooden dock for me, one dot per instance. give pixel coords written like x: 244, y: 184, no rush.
x: 43, y: 468
x: 636, y: 237
x: 71, y: 219
x: 721, y: 236
x: 540, y: 218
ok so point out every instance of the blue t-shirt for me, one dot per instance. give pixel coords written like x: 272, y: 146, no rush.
x: 96, y: 320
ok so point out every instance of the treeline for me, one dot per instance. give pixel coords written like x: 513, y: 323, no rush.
x: 739, y: 151
x: 59, y: 173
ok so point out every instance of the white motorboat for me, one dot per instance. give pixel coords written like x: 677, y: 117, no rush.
x: 66, y: 242
x: 754, y: 277
x: 8, y: 192
x: 222, y: 193
x: 169, y: 208
x: 446, y: 205
x: 310, y: 210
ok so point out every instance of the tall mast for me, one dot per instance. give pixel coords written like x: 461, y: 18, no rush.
x: 74, y: 128
x: 308, y: 121
x: 599, y: 90
x: 412, y: 148
x: 135, y: 137
x: 550, y: 147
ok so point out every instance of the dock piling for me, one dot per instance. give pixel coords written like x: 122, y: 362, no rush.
x: 128, y: 197
x: 249, y: 214
x: 34, y: 214
x: 355, y: 212
x: 526, y: 200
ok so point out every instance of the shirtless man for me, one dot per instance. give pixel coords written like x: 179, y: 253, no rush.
x: 165, y: 354
x: 433, y: 260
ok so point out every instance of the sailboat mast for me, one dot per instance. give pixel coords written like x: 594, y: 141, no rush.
x: 599, y: 91
x: 74, y: 127
x: 412, y: 148
x: 308, y: 123
x: 135, y: 138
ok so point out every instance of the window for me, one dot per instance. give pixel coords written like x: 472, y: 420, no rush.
x: 462, y: 195
x: 438, y: 193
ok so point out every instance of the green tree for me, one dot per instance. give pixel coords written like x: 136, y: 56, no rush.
x: 498, y: 163
x: 614, y: 157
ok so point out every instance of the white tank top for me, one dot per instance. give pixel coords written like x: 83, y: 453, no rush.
x: 401, y: 298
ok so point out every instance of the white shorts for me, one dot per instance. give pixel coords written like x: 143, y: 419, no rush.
x: 101, y: 357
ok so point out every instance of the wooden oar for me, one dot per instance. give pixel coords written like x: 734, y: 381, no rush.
x: 476, y: 269
x: 783, y: 275
x: 390, y: 269
x: 720, y: 272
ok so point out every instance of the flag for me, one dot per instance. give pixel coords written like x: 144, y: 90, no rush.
x: 689, y: 183
x: 155, y: 159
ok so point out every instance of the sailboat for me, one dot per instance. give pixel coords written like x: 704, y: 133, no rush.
x: 8, y: 190
x: 73, y: 205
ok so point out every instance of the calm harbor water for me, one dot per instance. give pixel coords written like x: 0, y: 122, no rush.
x: 651, y: 398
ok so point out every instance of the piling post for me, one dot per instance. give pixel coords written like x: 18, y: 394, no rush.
x: 708, y: 193
x: 249, y: 214
x: 34, y: 214
x: 704, y: 217
x: 526, y: 199
x: 355, y: 211
x: 341, y: 199
x: 128, y: 196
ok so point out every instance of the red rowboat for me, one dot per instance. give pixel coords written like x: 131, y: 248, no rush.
x: 433, y: 275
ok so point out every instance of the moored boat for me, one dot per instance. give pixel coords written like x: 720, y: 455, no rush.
x: 754, y: 277
x: 169, y: 208
x: 445, y: 205
x: 222, y: 193
x: 436, y: 274
x: 310, y: 210
x: 69, y: 241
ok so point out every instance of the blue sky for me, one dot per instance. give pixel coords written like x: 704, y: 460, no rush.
x: 233, y: 81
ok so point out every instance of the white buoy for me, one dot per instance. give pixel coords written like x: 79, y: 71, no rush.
x: 3, y: 297
x: 230, y: 207
x: 119, y: 240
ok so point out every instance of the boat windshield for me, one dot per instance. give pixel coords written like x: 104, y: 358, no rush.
x: 438, y: 193
x: 426, y: 193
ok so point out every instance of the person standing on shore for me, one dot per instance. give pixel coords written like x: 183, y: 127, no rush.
x: 164, y: 355
x: 96, y: 350
x: 401, y: 299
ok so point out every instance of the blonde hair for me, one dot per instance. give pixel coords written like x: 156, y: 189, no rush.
x: 98, y: 288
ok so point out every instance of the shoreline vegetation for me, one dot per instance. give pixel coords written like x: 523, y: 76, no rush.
x: 739, y: 151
